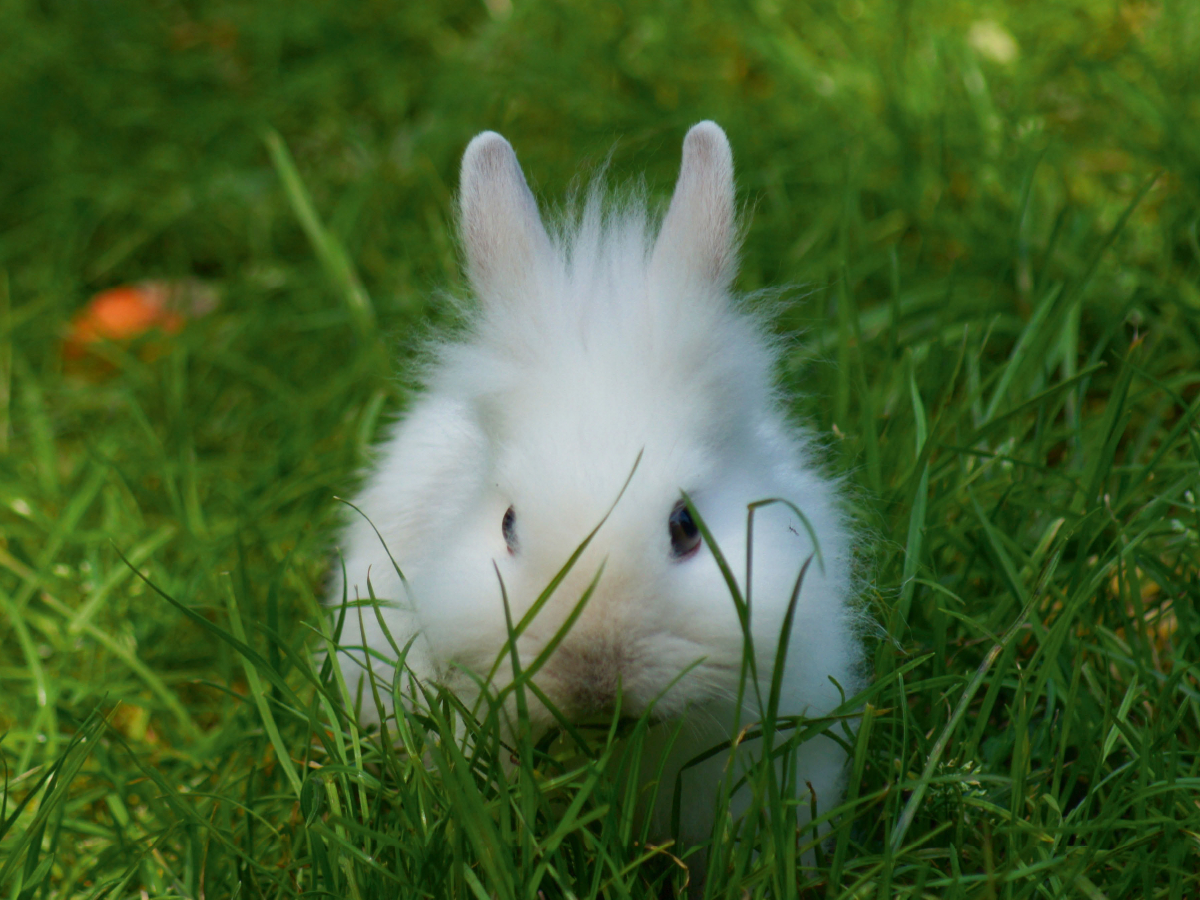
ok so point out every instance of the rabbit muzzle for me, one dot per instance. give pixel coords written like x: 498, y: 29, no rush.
x: 586, y: 678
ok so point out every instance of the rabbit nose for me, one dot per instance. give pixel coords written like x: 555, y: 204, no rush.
x: 587, y: 675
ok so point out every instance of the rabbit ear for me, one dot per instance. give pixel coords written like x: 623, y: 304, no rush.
x: 697, y: 235
x: 501, y: 229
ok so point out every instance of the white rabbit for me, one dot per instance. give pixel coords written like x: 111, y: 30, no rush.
x: 595, y: 346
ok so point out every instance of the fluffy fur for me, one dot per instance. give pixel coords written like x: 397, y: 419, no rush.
x: 591, y: 345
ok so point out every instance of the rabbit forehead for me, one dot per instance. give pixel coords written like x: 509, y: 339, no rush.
x: 566, y: 443
x: 581, y: 475
x: 604, y: 386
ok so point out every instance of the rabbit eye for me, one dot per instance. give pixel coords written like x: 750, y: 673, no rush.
x: 685, y: 536
x: 509, y: 528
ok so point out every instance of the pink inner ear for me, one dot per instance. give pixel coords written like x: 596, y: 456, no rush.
x: 501, y: 228
x: 697, y: 235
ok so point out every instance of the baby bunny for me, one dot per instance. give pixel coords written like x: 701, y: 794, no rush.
x: 603, y: 356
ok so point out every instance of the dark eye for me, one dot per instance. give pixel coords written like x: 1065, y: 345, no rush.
x: 685, y: 536
x: 509, y: 527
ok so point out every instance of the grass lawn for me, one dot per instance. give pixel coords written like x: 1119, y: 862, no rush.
x: 985, y: 222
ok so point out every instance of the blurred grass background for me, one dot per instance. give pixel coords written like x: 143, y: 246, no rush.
x: 985, y: 217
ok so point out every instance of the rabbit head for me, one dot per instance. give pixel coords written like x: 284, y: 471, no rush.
x: 606, y: 372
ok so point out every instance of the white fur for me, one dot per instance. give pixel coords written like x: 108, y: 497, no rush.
x: 592, y: 344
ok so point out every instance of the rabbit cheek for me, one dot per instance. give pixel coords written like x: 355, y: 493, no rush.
x: 461, y: 613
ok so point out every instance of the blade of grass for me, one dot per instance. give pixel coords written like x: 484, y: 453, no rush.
x: 330, y: 252
x: 282, y: 755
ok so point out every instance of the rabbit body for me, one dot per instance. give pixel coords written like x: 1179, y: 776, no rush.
x: 599, y: 349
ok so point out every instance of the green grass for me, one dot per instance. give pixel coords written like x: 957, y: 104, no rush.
x: 993, y: 279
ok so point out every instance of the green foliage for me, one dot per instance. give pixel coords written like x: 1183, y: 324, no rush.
x: 985, y: 219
